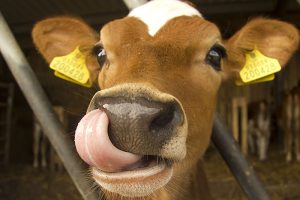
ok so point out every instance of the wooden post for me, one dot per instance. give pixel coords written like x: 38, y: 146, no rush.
x: 235, y: 125
x: 244, y: 121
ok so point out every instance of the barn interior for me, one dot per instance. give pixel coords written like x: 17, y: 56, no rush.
x: 21, y: 178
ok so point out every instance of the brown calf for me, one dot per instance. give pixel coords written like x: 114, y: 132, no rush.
x: 259, y: 128
x: 41, y: 144
x: 290, y: 119
x: 159, y: 70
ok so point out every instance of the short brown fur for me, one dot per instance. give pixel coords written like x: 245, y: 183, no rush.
x: 173, y: 61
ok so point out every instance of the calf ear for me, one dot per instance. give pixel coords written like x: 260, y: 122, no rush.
x: 59, y: 36
x: 273, y: 38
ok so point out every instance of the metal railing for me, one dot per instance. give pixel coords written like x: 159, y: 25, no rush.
x: 43, y: 110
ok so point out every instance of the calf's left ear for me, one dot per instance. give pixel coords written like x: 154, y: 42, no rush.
x: 273, y: 38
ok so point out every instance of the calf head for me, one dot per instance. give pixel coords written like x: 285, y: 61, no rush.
x: 159, y: 70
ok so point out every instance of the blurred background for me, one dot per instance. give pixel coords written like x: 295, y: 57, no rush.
x: 30, y: 168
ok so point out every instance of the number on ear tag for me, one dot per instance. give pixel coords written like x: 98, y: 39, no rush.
x: 72, y: 68
x: 263, y: 79
x: 258, y: 68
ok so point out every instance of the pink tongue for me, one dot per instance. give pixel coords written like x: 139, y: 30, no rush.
x: 95, y: 148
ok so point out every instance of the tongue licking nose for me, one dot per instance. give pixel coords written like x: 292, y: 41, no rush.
x: 95, y: 148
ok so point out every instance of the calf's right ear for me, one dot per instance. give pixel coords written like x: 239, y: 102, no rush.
x: 59, y: 36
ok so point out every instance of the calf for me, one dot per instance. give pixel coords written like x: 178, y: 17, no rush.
x: 290, y: 119
x: 159, y: 70
x: 259, y: 128
x: 41, y: 144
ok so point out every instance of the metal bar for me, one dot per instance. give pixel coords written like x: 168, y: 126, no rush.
x: 236, y: 162
x: 131, y: 4
x: 42, y: 109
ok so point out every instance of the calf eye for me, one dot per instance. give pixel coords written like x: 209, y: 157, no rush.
x: 215, y: 55
x: 100, y: 53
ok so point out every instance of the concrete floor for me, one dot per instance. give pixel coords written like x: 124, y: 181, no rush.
x: 282, y: 180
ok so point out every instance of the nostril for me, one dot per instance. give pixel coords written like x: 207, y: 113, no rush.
x: 168, y: 118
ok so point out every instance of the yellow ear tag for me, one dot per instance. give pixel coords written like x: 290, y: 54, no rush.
x: 72, y: 68
x: 59, y: 75
x: 263, y: 79
x: 258, y: 68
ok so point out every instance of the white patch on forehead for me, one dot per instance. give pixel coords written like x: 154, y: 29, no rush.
x: 157, y: 13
